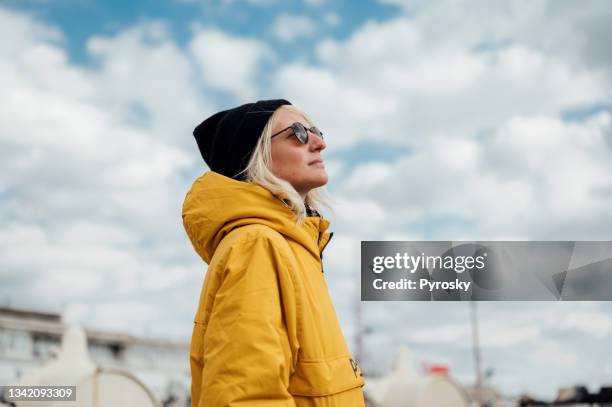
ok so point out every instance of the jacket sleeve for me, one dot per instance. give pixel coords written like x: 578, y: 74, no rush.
x: 246, y: 355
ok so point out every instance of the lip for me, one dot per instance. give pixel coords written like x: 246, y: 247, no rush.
x: 318, y: 161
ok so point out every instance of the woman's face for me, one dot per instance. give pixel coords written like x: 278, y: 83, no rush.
x: 299, y: 164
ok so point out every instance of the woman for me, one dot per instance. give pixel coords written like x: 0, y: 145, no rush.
x: 265, y: 333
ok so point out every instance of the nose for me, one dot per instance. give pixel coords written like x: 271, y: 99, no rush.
x: 316, y: 143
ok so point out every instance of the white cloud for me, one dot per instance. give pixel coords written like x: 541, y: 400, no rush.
x: 448, y: 334
x: 431, y: 73
x: 20, y: 30
x: 503, y: 334
x: 88, y: 188
x: 133, y: 314
x: 342, y: 254
x: 289, y: 27
x: 370, y: 175
x: 551, y: 354
x: 333, y: 167
x: 374, y: 42
x: 229, y: 63
x: 332, y: 19
x: 545, y: 171
x: 595, y: 323
x: 147, y: 80
x: 493, y: 333
x: 346, y: 112
x: 438, y: 84
x: 577, y: 34
x: 360, y: 213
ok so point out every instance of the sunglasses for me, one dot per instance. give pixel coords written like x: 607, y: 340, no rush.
x: 301, y: 132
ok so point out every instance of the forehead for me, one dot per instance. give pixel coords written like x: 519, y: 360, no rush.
x: 286, y: 118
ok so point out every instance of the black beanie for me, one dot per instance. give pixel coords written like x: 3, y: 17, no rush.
x: 227, y: 139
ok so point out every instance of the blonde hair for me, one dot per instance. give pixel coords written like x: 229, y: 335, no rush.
x: 258, y: 172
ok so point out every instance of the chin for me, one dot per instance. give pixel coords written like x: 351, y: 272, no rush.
x: 319, y: 176
x: 320, y: 180
x: 312, y: 182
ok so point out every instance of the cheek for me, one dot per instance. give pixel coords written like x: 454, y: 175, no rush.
x: 287, y: 160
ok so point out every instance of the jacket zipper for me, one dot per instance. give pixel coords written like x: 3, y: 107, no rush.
x: 331, y: 234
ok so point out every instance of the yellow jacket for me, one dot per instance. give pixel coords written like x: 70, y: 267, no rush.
x: 265, y: 332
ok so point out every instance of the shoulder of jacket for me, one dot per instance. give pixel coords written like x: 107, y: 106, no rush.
x: 248, y: 234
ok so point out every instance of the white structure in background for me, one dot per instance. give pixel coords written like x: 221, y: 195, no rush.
x: 94, y: 386
x: 69, y: 365
x: 29, y: 339
x: 404, y: 387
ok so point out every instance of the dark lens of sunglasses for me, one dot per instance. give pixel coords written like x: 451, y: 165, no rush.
x: 316, y: 131
x: 300, y: 132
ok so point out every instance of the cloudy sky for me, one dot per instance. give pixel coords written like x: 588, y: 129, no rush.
x: 446, y: 120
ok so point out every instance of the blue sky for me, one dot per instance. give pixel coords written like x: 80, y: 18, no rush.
x: 446, y: 120
x: 81, y: 19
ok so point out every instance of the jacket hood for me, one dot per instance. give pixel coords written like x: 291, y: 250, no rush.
x: 216, y: 204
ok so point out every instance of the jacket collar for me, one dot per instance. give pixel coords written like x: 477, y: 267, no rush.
x: 215, y: 205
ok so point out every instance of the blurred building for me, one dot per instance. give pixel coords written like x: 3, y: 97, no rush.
x: 404, y: 386
x: 29, y: 338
